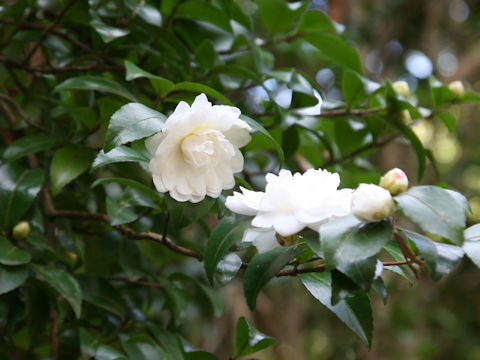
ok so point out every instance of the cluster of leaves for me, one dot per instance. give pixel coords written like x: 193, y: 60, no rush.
x: 85, y: 83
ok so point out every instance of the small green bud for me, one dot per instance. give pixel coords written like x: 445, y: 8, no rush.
x: 21, y: 230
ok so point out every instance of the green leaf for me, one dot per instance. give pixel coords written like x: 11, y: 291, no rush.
x: 120, y: 213
x: 161, y: 85
x: 105, y: 352
x: 435, y: 211
x: 441, y: 94
x: 448, y: 120
x: 12, y: 255
x: 199, y: 10
x: 440, y: 258
x: 108, y: 33
x: 205, y: 54
x: 186, y: 213
x: 28, y: 145
x: 249, y: 340
x: 12, y: 277
x: 417, y: 146
x: 142, y: 347
x: 335, y: 48
x: 132, y: 122
x: 315, y: 21
x: 69, y: 163
x: 226, y: 234
x: 277, y: 15
x: 167, y: 340
x: 64, y: 283
x: 147, y: 12
x: 228, y: 268
x: 88, y: 343
x: 202, y: 88
x: 355, y: 311
x: 216, y: 300
x: 18, y: 189
x: 470, y: 97
x: 96, y: 83
x: 361, y: 272
x: 118, y: 154
x: 262, y: 268
x: 98, y: 292
x: 356, y: 88
x: 255, y: 125
x: 345, y: 241
x: 471, y: 246
x: 154, y: 195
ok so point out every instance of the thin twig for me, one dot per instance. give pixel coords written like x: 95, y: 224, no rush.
x: 125, y: 22
x: 47, y: 31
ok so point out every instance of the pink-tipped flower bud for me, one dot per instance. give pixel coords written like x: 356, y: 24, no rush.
x: 395, y: 181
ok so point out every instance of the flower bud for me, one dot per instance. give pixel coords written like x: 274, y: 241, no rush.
x: 372, y: 203
x: 395, y: 181
x: 405, y: 117
x: 21, y: 230
x: 457, y: 88
x: 401, y: 87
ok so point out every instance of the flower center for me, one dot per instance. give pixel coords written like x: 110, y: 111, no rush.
x: 206, y: 147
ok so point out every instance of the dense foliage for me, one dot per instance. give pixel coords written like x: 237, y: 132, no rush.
x: 96, y: 263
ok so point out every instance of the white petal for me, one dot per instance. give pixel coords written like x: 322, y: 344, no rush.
x: 154, y: 141
x: 247, y: 203
x: 263, y: 239
x: 284, y: 223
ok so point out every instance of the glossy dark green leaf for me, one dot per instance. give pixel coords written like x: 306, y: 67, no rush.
x: 435, y: 211
x: 18, y: 189
x: 105, y: 352
x: 168, y: 341
x: 132, y: 122
x: 146, y: 12
x: 120, y: 212
x: 28, y: 145
x: 69, y: 163
x: 88, y: 343
x: 205, y: 54
x: 96, y: 83
x: 256, y: 126
x: 216, y: 300
x: 471, y: 246
x: 345, y: 241
x: 142, y: 347
x: 262, y: 268
x: 185, y: 213
x: 108, y: 33
x: 441, y: 94
x: 222, y: 238
x: 228, y: 268
x: 147, y: 191
x: 342, y: 287
x: 64, y: 283
x: 205, y: 12
x: 335, y: 48
x: 249, y: 340
x: 355, y: 311
x: 98, y: 292
x: 12, y: 255
x: 202, y: 88
x: 12, y: 277
x: 161, y: 85
x: 427, y: 249
x: 361, y: 272
x: 277, y: 15
x: 118, y: 154
x: 356, y: 88
x: 448, y: 120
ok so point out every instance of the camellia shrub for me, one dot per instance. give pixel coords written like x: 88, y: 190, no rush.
x: 152, y: 151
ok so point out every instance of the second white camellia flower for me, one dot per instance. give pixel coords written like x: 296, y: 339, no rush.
x: 197, y: 151
x: 289, y: 204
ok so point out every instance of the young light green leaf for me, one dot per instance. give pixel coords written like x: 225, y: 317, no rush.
x: 355, y: 311
x: 97, y: 83
x: 68, y: 163
x: 471, y: 246
x: 345, y: 240
x: 448, y: 120
x: 18, y: 189
x: 262, y: 268
x: 118, y: 154
x: 64, y: 283
x: 12, y: 255
x: 12, y: 277
x: 227, y: 233
x: 435, y: 211
x: 28, y: 145
x: 132, y: 122
x: 249, y: 340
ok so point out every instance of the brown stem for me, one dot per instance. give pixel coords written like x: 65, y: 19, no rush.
x: 125, y: 22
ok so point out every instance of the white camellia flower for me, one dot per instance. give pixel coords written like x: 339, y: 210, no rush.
x: 289, y: 204
x: 197, y: 151
x: 372, y: 203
